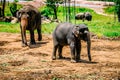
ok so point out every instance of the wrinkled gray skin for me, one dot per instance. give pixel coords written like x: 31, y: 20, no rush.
x: 83, y: 16
x: 69, y: 34
x: 30, y: 19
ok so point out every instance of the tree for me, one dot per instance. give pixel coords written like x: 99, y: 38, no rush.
x: 53, y: 4
x: 117, y: 2
x: 13, y: 8
x: 3, y: 8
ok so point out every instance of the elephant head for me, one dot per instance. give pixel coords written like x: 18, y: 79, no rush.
x: 76, y: 31
x: 82, y: 32
x: 85, y: 35
x: 88, y: 16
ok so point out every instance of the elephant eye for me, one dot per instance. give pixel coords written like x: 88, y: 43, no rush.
x: 28, y: 13
x: 77, y: 26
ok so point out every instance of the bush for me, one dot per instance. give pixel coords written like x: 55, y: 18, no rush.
x: 110, y: 9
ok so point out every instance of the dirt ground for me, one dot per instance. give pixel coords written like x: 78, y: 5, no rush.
x: 25, y: 63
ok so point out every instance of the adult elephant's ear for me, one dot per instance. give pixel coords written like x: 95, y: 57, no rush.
x: 18, y: 14
x: 75, y: 30
x: 32, y: 14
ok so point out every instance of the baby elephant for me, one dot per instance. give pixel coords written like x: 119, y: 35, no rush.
x: 30, y: 19
x: 83, y: 16
x: 69, y: 34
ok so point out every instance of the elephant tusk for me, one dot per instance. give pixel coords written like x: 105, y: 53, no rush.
x: 86, y: 32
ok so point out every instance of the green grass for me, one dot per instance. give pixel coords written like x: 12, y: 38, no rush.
x: 8, y: 27
x: 100, y: 25
x: 109, y: 9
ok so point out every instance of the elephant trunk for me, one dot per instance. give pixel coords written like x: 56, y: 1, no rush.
x: 88, y: 44
x: 24, y: 24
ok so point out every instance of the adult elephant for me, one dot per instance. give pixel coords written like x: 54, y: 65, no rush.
x: 30, y: 19
x: 84, y: 16
x: 69, y: 34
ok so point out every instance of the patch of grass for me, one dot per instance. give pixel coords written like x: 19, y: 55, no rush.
x: 104, y: 26
x: 48, y: 28
x: 109, y: 9
x: 100, y: 25
x: 8, y: 27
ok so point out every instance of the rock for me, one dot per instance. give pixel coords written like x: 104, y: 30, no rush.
x: 14, y: 20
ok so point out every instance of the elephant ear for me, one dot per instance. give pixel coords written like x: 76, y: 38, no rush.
x: 18, y: 14
x: 75, y: 30
x: 32, y: 14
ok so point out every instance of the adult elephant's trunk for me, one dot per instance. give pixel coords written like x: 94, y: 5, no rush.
x: 24, y: 24
x: 88, y: 44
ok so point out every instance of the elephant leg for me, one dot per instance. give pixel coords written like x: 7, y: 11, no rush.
x: 83, y: 19
x: 54, y: 52
x: 78, y: 51
x: 88, y: 45
x: 32, y: 39
x: 39, y: 34
x: 72, y: 48
x: 60, y: 52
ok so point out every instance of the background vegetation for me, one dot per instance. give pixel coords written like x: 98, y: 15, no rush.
x: 100, y: 25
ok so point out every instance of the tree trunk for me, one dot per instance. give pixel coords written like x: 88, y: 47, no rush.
x: 118, y: 17
x: 0, y: 12
x: 55, y: 13
x: 3, y: 8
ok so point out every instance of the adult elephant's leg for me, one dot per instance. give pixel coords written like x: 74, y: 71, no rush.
x: 60, y: 52
x: 39, y: 33
x: 32, y: 39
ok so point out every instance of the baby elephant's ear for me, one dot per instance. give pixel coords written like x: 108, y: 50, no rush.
x: 75, y: 30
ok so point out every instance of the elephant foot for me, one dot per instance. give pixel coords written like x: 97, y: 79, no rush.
x: 90, y: 60
x: 24, y: 45
x: 32, y: 43
x: 40, y: 38
x: 78, y: 60
x: 53, y: 58
x: 61, y: 57
x: 32, y: 46
x: 73, y: 61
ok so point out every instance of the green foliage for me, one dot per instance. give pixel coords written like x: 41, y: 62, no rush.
x: 13, y: 8
x: 7, y: 9
x: 84, y: 10
x: 46, y: 12
x: 16, y: 0
x: 53, y: 4
x: 110, y: 9
x: 100, y: 25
